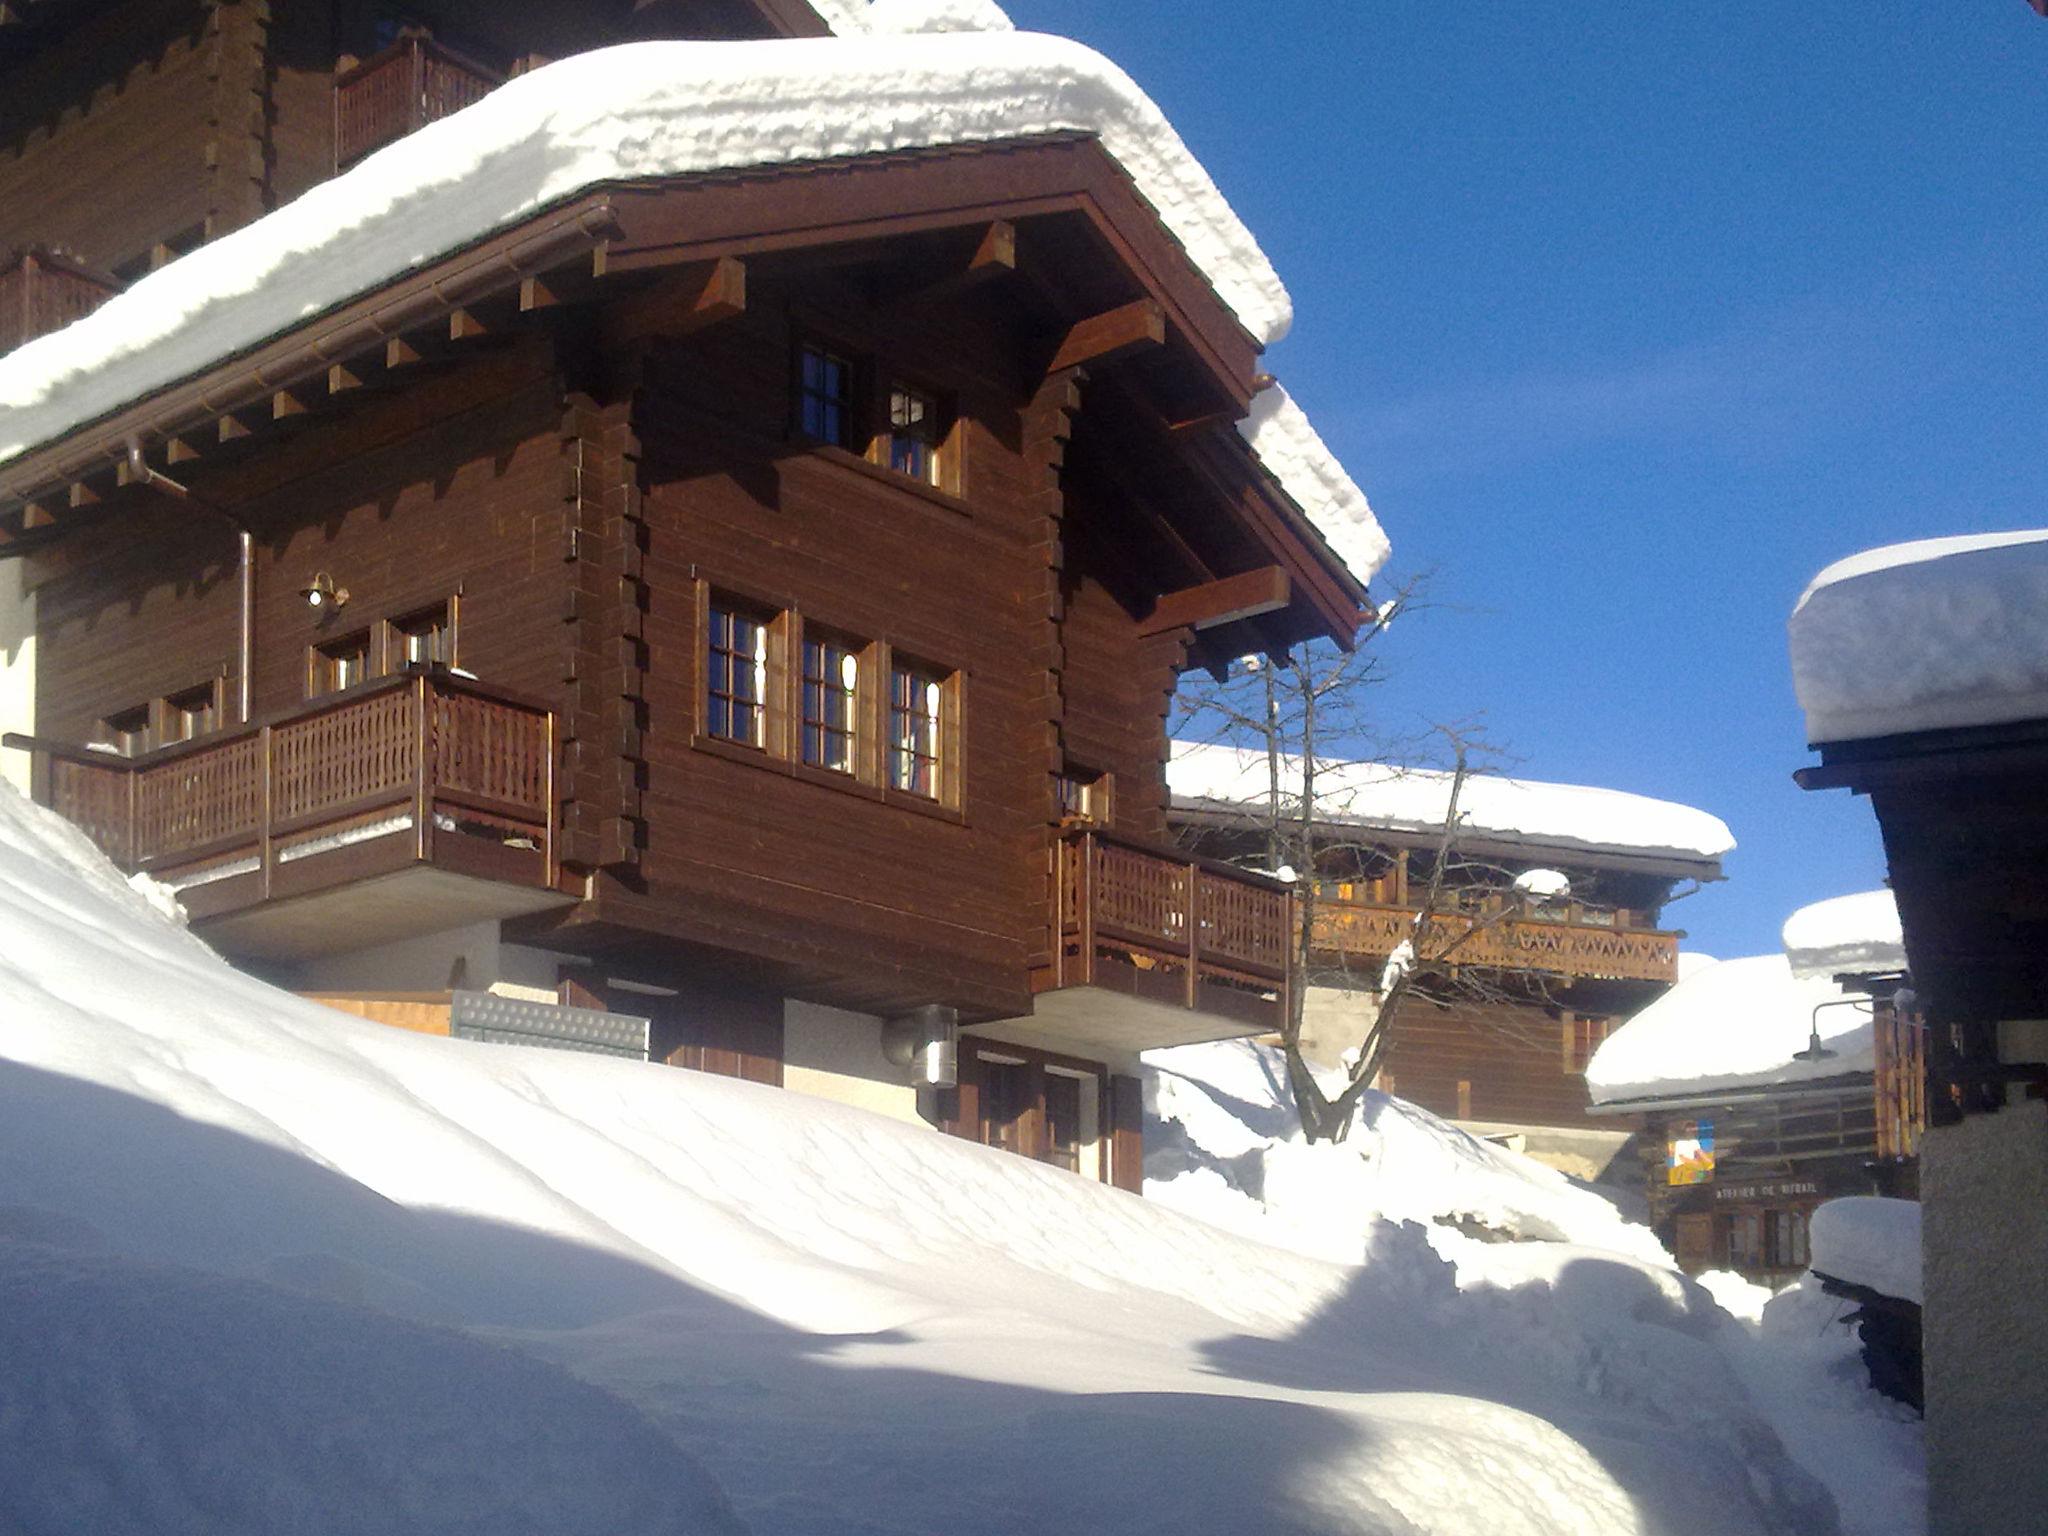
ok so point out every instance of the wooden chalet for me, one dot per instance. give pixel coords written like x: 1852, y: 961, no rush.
x: 1940, y: 723
x: 1751, y: 1089
x: 745, y: 599
x: 1517, y: 987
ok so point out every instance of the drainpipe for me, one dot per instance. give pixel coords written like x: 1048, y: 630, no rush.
x: 245, y: 658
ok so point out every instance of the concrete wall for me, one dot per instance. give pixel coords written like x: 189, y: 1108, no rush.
x: 1984, y: 1209
x: 1334, y: 1020
x: 17, y: 667
x: 830, y: 1053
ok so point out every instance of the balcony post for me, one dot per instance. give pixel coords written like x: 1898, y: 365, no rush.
x: 1194, y: 919
x: 266, y: 810
x: 1086, y: 910
x: 423, y: 774
x: 129, y: 840
x: 549, y: 810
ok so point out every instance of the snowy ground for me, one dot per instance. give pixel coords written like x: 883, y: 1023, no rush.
x: 266, y: 1268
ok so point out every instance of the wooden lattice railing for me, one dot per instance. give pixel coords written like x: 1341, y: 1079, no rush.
x: 1547, y: 946
x: 1125, y: 903
x: 41, y: 292
x: 422, y: 753
x: 413, y: 82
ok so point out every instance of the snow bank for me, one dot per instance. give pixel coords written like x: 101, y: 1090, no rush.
x: 1731, y: 1026
x: 619, y: 114
x: 1869, y: 1241
x: 144, y: 1398
x: 830, y: 1311
x: 1288, y: 444
x: 1208, y: 775
x: 1846, y: 936
x: 1925, y: 636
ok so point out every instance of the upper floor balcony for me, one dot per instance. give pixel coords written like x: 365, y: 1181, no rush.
x: 404, y: 87
x: 1567, y: 942
x: 41, y: 292
x: 417, y: 802
x: 1152, y: 947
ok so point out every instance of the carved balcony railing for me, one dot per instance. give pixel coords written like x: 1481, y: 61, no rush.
x: 421, y: 768
x: 41, y: 292
x: 1568, y: 945
x: 1147, y: 920
x: 413, y: 82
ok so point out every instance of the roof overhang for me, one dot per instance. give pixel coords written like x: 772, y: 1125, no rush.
x: 608, y: 238
x: 1806, y: 1090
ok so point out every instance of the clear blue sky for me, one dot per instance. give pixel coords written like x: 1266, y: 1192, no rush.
x: 1629, y: 318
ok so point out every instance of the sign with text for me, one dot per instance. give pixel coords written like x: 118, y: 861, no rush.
x: 1691, y: 1153
x: 1766, y: 1190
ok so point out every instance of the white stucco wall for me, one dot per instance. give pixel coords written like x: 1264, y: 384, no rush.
x: 1984, y: 1208
x: 830, y: 1053
x: 429, y: 964
x: 17, y: 667
x: 1335, y: 1020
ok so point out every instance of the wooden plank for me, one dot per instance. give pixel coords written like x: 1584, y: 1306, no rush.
x: 1223, y: 601
x: 1134, y: 327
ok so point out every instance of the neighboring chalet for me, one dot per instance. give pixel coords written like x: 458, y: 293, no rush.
x: 1751, y: 1090
x: 1923, y: 672
x: 1547, y: 936
x: 636, y: 566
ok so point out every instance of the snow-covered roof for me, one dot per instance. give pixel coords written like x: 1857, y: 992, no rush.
x: 1288, y: 444
x: 1205, y: 775
x: 620, y: 114
x: 1869, y: 1241
x: 1731, y: 1026
x: 1925, y: 636
x: 1846, y: 935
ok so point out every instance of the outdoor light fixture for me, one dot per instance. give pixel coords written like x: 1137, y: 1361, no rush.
x: 323, y: 596
x: 1815, y: 1051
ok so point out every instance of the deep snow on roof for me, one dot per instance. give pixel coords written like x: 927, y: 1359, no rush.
x: 1925, y: 636
x: 1287, y: 443
x: 1731, y: 1026
x: 1846, y: 935
x: 1870, y: 1241
x: 1210, y: 775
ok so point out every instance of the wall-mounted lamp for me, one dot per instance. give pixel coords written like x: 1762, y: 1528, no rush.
x: 323, y: 596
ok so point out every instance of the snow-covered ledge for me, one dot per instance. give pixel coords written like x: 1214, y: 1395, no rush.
x: 1846, y: 936
x: 1927, y: 636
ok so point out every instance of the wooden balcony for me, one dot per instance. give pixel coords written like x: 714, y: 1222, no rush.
x: 1569, y: 945
x: 1151, y: 947
x: 41, y: 292
x: 414, y: 803
x: 413, y: 82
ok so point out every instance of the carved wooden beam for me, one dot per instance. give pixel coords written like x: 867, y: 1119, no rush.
x: 1223, y: 601
x: 1137, y: 326
x: 696, y: 297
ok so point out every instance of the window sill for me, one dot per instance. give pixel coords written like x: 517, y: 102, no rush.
x: 824, y: 778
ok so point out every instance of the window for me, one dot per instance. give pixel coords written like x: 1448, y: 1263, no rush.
x: 912, y: 446
x: 127, y: 732
x: 825, y: 395
x: 916, y: 732
x: 424, y: 639
x: 190, y: 714
x: 831, y: 706
x: 736, y: 697
x: 338, y: 664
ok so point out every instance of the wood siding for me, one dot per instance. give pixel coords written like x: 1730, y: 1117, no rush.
x: 103, y: 138
x: 1508, y: 1056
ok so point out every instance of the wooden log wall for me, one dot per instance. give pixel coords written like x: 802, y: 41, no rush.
x: 1509, y: 1058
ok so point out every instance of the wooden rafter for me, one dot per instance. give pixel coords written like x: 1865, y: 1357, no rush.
x: 1134, y: 327
x: 1223, y: 601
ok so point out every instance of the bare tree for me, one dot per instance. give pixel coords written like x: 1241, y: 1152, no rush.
x: 1305, y: 712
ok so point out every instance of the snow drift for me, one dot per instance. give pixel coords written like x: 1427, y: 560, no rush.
x: 315, y: 1237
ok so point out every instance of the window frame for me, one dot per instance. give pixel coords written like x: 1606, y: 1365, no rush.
x: 858, y: 730
x: 945, y: 754
x: 938, y: 472
x: 853, y: 426
x: 321, y: 655
x: 392, y: 634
